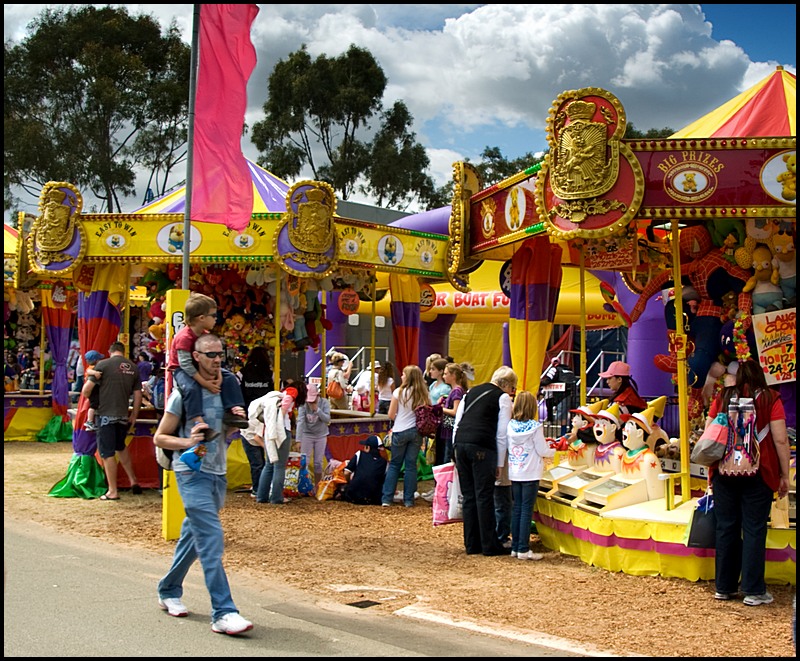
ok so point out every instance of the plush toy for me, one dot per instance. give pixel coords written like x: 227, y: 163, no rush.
x: 730, y: 229
x: 767, y: 296
x: 787, y: 266
x: 157, y: 283
x: 175, y: 239
x: 158, y: 309
x: 156, y: 331
x: 788, y: 179
x: 759, y: 232
x: 712, y: 277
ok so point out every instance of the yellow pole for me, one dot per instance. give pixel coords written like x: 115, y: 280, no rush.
x: 680, y: 349
x: 125, y: 336
x: 584, y: 367
x: 323, y: 348
x: 172, y: 512
x: 373, y: 279
x: 42, y: 341
x: 276, y: 372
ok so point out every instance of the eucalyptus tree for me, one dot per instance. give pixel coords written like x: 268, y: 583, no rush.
x: 91, y: 95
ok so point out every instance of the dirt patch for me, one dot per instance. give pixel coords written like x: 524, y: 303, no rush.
x: 346, y: 553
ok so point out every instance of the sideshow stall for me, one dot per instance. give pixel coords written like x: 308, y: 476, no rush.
x: 702, y: 221
x: 29, y: 413
x: 272, y: 282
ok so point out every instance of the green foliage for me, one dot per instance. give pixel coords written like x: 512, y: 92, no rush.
x: 89, y: 93
x: 632, y: 133
x: 494, y: 167
x: 318, y: 114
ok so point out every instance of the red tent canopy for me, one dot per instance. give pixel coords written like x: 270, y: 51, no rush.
x: 769, y: 108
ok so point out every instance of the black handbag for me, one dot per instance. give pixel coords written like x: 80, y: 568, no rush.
x: 701, y: 531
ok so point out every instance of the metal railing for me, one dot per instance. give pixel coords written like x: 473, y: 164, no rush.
x: 361, y: 358
x: 601, y: 361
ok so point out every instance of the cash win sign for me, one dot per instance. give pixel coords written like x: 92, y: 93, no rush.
x: 349, y: 301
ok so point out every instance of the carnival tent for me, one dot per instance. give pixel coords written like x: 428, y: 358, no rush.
x: 269, y: 195
x: 768, y: 108
x: 10, y: 238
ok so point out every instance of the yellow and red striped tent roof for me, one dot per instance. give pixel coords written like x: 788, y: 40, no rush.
x: 768, y: 108
x: 10, y: 239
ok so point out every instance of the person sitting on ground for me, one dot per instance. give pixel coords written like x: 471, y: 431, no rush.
x: 94, y: 399
x: 201, y: 317
x: 365, y: 473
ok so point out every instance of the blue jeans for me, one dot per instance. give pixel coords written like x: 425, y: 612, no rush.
x: 524, y: 494
x: 203, y: 496
x: 270, y: 484
x: 405, y: 449
x: 255, y: 457
x: 192, y: 391
x: 502, y: 512
x: 476, y: 474
x: 742, y: 506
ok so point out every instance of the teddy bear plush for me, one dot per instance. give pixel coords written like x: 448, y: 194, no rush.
x: 787, y: 266
x: 788, y: 179
x: 759, y: 232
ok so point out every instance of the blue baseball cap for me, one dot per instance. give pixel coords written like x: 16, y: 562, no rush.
x: 93, y: 356
x: 371, y: 441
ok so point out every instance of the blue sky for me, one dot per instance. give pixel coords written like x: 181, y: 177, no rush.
x: 485, y: 75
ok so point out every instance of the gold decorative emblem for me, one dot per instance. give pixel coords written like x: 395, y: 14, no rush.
x: 585, y: 160
x: 488, y: 209
x: 55, y: 227
x: 51, y: 242
x: 312, y: 228
x: 590, y: 184
x: 467, y: 182
x: 304, y: 242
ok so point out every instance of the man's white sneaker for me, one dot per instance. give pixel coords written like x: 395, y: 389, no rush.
x: 231, y: 624
x: 174, y: 606
x: 529, y: 555
x: 758, y: 599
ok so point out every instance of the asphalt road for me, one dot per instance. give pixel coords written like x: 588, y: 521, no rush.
x: 75, y: 596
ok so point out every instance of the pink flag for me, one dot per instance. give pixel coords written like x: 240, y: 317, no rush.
x: 222, y: 190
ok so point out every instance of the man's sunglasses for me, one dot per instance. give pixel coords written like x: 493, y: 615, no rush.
x: 213, y: 354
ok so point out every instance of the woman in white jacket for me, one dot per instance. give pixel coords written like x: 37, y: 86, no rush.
x: 527, y: 449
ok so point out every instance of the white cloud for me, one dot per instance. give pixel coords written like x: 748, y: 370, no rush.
x: 486, y: 75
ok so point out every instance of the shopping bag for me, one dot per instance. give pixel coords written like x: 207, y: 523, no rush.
x: 292, y: 476
x: 701, y: 531
x: 455, y: 502
x: 779, y: 515
x: 444, y: 475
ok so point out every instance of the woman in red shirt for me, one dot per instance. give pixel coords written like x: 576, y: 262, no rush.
x: 626, y: 395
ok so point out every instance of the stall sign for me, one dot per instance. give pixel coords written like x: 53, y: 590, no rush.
x: 427, y: 297
x: 776, y: 341
x: 348, y: 301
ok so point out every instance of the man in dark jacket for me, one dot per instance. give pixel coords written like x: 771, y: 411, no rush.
x: 480, y: 447
x: 366, y: 471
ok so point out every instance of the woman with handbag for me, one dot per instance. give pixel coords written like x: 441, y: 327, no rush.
x: 742, y: 502
x: 454, y: 377
x: 406, y: 440
x: 338, y: 388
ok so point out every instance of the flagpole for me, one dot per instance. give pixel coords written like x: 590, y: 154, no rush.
x: 187, y: 213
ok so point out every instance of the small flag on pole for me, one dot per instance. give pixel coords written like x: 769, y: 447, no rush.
x: 222, y: 189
